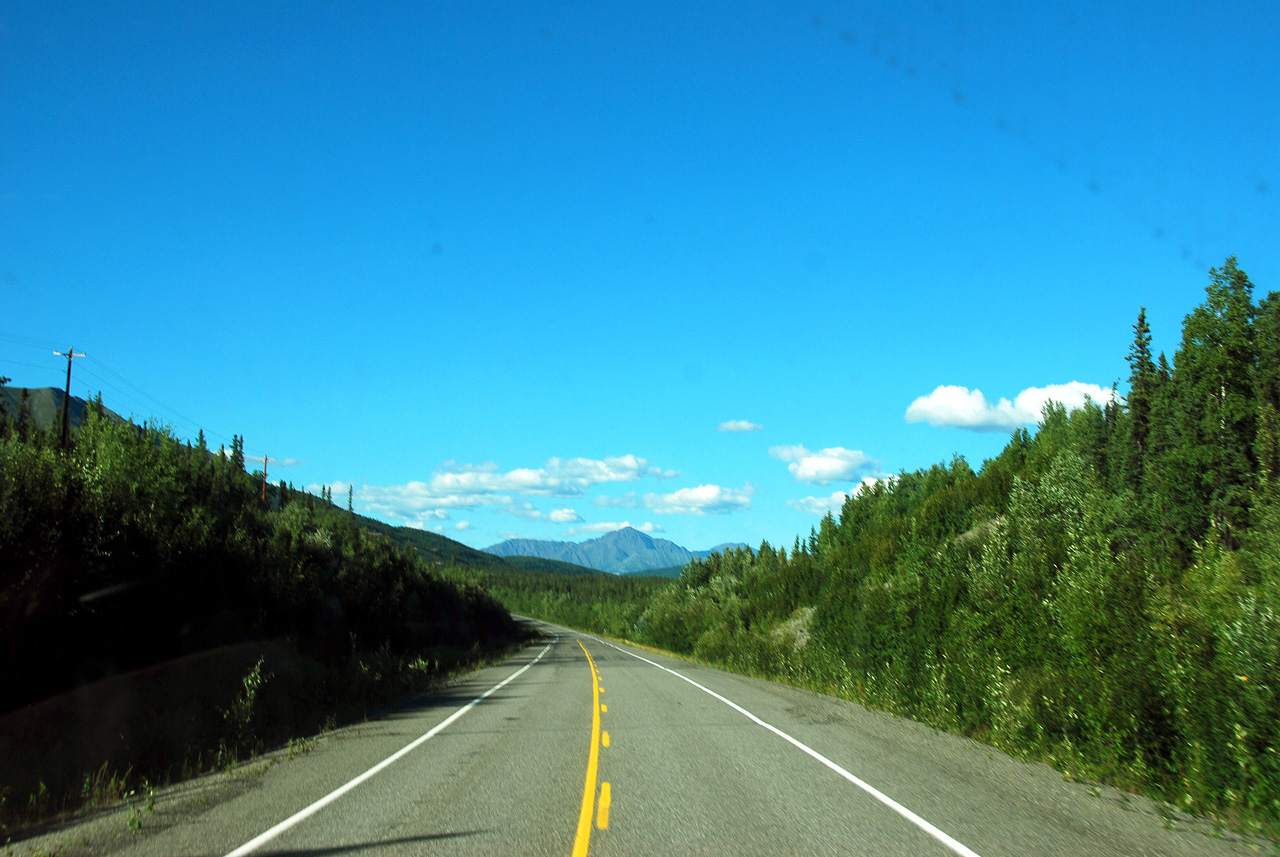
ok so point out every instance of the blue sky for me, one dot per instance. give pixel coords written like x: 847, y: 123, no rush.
x: 540, y: 269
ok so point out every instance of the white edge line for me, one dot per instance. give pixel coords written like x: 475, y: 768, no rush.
x: 263, y: 838
x: 944, y: 838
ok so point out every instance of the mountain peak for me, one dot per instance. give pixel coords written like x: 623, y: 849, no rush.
x: 628, y: 536
x: 619, y: 551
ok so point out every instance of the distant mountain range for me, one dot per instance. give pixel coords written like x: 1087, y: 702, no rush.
x: 624, y: 551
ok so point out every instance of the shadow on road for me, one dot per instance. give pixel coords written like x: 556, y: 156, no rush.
x: 363, y: 847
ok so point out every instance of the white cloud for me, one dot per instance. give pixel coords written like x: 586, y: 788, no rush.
x: 951, y: 405
x: 627, y: 500
x: 278, y: 462
x: 462, y: 525
x: 525, y: 510
x: 702, y: 500
x: 531, y: 513
x: 416, y: 502
x: 739, y: 425
x: 646, y: 527
x: 819, y: 505
x: 833, y: 503
x: 452, y: 466
x: 468, y: 486
x: 568, y: 477
x: 834, y: 464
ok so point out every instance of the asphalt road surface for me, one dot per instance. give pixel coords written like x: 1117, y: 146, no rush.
x: 582, y: 746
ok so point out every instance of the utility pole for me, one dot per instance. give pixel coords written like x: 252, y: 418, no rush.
x: 264, y: 459
x: 66, y: 399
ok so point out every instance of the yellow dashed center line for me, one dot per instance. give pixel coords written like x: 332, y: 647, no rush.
x: 604, y: 739
x: 602, y: 816
x: 583, y: 839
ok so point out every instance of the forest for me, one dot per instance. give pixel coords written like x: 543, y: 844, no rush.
x: 1103, y: 595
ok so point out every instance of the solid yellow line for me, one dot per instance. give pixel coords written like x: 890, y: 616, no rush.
x: 602, y: 817
x: 593, y: 760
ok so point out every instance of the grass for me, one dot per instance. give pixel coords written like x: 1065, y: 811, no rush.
x: 299, y: 747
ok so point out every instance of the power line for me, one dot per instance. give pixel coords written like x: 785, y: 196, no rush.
x: 101, y: 381
x: 28, y: 340
x: 106, y: 375
x: 190, y: 423
x: 28, y: 365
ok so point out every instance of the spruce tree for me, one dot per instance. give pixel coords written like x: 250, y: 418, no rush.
x: 1142, y: 387
x: 4, y: 412
x: 1266, y: 384
x: 1214, y: 373
x: 26, y: 424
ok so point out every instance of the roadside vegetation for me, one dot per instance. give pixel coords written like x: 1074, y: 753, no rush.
x: 1104, y: 595
x: 607, y: 603
x: 240, y: 620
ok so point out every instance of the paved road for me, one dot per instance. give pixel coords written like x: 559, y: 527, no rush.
x: 587, y: 747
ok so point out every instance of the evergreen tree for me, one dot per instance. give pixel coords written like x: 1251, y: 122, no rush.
x: 4, y: 412
x: 1267, y: 390
x: 26, y: 424
x: 1214, y: 371
x: 1142, y: 390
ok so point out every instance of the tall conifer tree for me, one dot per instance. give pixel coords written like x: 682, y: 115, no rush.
x: 1142, y: 388
x: 1267, y: 390
x: 1214, y: 371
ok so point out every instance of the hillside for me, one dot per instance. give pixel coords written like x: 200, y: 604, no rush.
x: 554, y: 566
x: 432, y: 548
x: 436, y: 549
x: 45, y: 404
